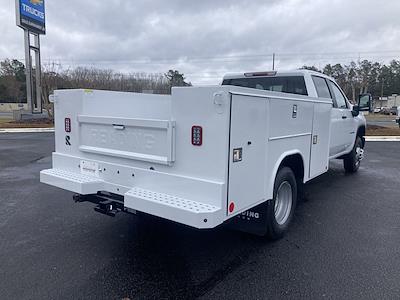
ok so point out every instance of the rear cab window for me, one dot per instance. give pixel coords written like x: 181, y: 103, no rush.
x: 285, y: 84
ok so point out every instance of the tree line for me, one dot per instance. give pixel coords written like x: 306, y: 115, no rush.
x: 355, y: 78
x: 12, y: 81
x: 54, y: 76
x: 365, y: 77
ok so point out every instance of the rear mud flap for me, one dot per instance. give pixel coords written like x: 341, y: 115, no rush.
x: 252, y: 221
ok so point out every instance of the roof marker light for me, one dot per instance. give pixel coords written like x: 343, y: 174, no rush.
x: 254, y: 74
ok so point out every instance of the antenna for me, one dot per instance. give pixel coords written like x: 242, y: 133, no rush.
x: 273, y: 61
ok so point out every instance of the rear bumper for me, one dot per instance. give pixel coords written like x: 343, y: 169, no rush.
x: 165, y: 205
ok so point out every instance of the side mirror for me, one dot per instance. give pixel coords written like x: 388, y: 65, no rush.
x: 356, y: 110
x: 364, y: 102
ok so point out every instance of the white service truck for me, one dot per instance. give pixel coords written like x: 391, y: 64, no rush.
x: 234, y: 154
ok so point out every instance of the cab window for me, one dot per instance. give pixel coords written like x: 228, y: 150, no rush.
x: 285, y: 84
x: 340, y: 100
x: 321, y: 87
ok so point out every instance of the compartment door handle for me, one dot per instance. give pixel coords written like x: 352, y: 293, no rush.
x: 119, y: 127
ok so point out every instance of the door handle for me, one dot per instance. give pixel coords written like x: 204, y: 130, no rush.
x: 118, y: 127
x: 344, y: 117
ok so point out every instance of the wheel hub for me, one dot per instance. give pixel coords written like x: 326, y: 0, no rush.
x: 283, y: 203
x: 359, y: 155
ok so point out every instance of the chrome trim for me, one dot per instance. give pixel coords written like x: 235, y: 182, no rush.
x: 288, y: 136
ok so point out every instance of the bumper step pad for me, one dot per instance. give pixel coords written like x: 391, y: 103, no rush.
x: 174, y: 208
x: 76, y: 182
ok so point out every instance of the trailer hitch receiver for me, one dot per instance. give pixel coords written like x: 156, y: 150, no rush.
x: 107, y: 204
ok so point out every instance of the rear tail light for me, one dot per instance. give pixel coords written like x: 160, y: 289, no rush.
x: 67, y: 123
x: 231, y: 207
x: 197, y: 135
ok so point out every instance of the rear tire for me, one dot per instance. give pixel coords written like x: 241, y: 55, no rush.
x: 352, y: 161
x: 281, y: 208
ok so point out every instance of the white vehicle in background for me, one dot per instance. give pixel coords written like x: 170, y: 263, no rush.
x: 234, y: 154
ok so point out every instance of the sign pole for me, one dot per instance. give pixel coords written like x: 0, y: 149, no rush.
x: 28, y: 71
x: 38, y: 75
x: 30, y: 16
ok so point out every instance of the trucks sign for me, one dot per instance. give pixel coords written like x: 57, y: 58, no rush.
x: 31, y: 15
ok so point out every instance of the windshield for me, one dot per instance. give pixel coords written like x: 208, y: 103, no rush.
x: 284, y: 84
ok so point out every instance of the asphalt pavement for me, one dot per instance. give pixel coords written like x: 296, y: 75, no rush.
x: 343, y: 244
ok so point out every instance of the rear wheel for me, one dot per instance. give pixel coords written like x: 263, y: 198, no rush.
x: 280, y: 209
x: 352, y: 160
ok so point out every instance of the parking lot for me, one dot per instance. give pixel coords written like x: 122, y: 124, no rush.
x: 381, y: 120
x: 343, y: 244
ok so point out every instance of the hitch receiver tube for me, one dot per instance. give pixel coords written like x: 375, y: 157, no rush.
x: 107, y: 203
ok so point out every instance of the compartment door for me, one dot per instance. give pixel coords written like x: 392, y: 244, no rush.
x: 136, y: 139
x: 247, y: 153
x: 320, y: 140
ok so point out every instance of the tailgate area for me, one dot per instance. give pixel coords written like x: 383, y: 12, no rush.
x: 139, y: 146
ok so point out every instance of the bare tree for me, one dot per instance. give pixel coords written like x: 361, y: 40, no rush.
x: 52, y: 79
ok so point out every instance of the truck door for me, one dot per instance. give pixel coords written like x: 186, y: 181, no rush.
x: 247, y: 152
x: 319, y: 160
x: 341, y: 115
x: 343, y: 134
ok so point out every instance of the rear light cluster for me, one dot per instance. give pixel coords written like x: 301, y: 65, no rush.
x: 67, y: 123
x: 197, y: 135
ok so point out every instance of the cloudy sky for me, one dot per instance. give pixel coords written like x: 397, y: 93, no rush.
x: 205, y: 39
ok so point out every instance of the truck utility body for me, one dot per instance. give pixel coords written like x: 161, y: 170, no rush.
x: 201, y: 155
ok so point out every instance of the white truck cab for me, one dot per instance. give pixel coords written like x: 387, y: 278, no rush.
x: 235, y: 154
x: 344, y: 123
